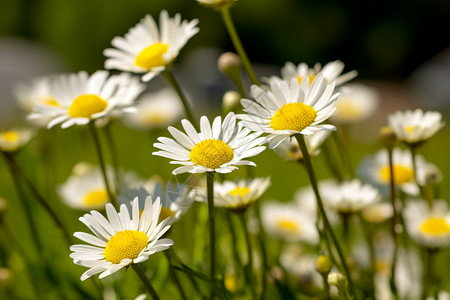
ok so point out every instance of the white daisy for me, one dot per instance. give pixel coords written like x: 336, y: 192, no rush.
x: 155, y: 110
x: 331, y: 72
x: 15, y: 138
x: 286, y: 109
x: 85, y: 189
x: 357, y: 103
x: 81, y: 98
x: 219, y: 148
x: 287, y: 222
x: 413, y: 127
x: 375, y: 169
x: 378, y: 212
x: 121, y: 241
x: 145, y: 49
x: 428, y: 227
x: 348, y: 196
x: 290, y: 150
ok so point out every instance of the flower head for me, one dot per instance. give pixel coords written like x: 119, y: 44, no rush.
x: 122, y: 240
x: 14, y: 139
x: 286, y: 109
x: 220, y: 147
x: 414, y: 127
x: 80, y: 98
x: 147, y: 49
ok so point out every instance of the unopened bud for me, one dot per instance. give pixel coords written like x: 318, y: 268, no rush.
x: 230, y: 64
x: 339, y: 281
x: 230, y: 101
x: 432, y: 175
x: 387, y: 137
x: 323, y: 264
x: 5, y: 276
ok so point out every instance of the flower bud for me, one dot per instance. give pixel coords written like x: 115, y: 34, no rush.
x: 339, y: 281
x: 230, y: 64
x: 387, y: 137
x: 323, y: 264
x: 230, y: 101
x: 5, y: 276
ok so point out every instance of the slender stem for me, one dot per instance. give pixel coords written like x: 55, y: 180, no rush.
x: 326, y: 285
x: 343, y: 153
x: 140, y: 272
x: 412, y: 149
x: 114, y: 156
x: 98, y: 147
x: 249, y: 268
x: 212, y: 230
x: 16, y: 168
x: 169, y: 77
x: 237, y: 258
x: 312, y: 177
x: 262, y: 246
x: 226, y: 16
x: 428, y: 276
x: 174, y: 275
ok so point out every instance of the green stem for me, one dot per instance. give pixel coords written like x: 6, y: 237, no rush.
x: 249, y: 267
x: 114, y: 156
x: 226, y: 16
x: 237, y: 258
x: 174, y: 276
x: 98, y: 147
x: 18, y: 170
x: 343, y: 153
x: 138, y: 269
x: 326, y: 285
x: 312, y: 177
x: 262, y: 246
x: 169, y: 77
x: 212, y: 230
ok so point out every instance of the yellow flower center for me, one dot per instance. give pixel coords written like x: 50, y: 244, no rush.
x: 230, y: 282
x: 50, y: 101
x: 96, y: 198
x: 125, y: 244
x: 154, y: 118
x: 164, y: 214
x: 211, y: 153
x: 152, y: 56
x: 10, y: 136
x: 435, y: 226
x: 288, y: 226
x: 346, y: 109
x: 293, y: 116
x: 382, y: 266
x: 311, y: 78
x: 85, y: 106
x: 402, y: 174
x: 241, y: 191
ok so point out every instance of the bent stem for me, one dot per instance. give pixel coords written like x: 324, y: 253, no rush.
x: 312, y: 177
x: 98, y: 147
x: 212, y: 230
x: 237, y: 44
x: 138, y: 269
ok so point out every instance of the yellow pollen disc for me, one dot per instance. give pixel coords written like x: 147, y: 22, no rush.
x: 10, y: 136
x: 164, y: 214
x: 211, y: 153
x: 154, y: 118
x: 347, y: 109
x: 241, y: 191
x: 288, y: 226
x: 152, y: 56
x: 382, y: 266
x: 410, y: 129
x: 230, y: 282
x: 85, y: 106
x: 125, y: 244
x: 402, y: 174
x: 311, y: 78
x: 435, y: 226
x: 51, y: 102
x: 96, y: 198
x: 293, y: 116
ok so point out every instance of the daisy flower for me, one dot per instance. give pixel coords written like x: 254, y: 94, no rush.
x: 331, y: 72
x: 219, y: 148
x: 286, y: 109
x: 81, y: 98
x: 155, y: 110
x: 145, y: 49
x: 216, y: 4
x: 14, y: 139
x: 121, y: 241
x: 85, y: 189
x: 348, y: 196
x: 428, y: 227
x: 290, y: 150
x: 414, y: 127
x: 287, y: 222
x: 357, y: 103
x: 378, y: 212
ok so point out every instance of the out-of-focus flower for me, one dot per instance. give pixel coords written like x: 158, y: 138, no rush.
x: 123, y: 240
x: 147, y: 49
x: 80, y: 98
x: 286, y: 109
x: 290, y: 150
x: 377, y: 212
x: 217, y: 4
x: 428, y: 226
x: 414, y: 127
x: 356, y: 103
x: 298, y: 262
x: 219, y: 148
x: 155, y: 110
x: 14, y: 139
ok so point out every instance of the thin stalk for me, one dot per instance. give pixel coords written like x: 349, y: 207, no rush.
x: 98, y: 147
x: 412, y: 149
x: 367, y: 229
x: 174, y: 276
x: 249, y: 268
x: 343, y: 153
x: 212, y: 230
x: 140, y: 273
x: 228, y: 21
x: 312, y: 177
x: 428, y: 276
x: 262, y: 246
x: 16, y: 168
x: 113, y: 149
x: 169, y: 77
x: 326, y: 285
x: 237, y: 258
